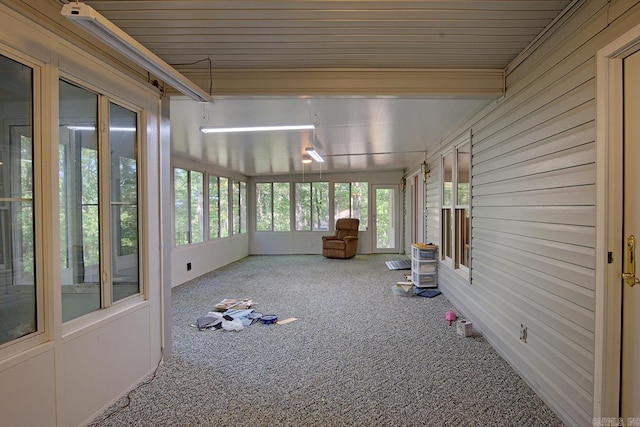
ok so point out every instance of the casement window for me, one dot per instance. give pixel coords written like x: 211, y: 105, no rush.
x: 351, y: 200
x: 239, y: 218
x: 99, y: 200
x: 273, y: 206
x: 188, y: 215
x: 455, y: 219
x: 21, y: 304
x: 312, y: 206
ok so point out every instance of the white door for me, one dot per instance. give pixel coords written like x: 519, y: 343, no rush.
x: 630, y: 372
x: 385, y: 218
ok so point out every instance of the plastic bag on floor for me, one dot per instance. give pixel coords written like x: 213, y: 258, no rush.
x: 232, y: 325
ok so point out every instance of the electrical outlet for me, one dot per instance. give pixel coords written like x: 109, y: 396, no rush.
x: 523, y: 333
x: 188, y: 266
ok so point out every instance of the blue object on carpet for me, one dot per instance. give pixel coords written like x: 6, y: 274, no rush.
x: 427, y: 293
x: 403, y: 264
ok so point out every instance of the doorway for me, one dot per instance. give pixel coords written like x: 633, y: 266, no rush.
x: 385, y: 218
x: 630, y: 353
x: 617, y: 341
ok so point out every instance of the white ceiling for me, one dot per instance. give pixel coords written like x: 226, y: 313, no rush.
x: 260, y: 47
x: 360, y: 133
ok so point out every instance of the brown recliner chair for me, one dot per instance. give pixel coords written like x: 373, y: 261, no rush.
x: 344, y: 244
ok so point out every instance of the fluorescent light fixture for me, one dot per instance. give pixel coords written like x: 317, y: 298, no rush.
x: 205, y: 129
x: 306, y: 159
x: 96, y: 24
x: 93, y: 128
x: 313, y: 153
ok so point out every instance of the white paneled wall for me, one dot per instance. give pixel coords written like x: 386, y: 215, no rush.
x: 534, y: 211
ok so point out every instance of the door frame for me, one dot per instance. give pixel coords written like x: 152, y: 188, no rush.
x: 609, y: 214
x: 374, y: 219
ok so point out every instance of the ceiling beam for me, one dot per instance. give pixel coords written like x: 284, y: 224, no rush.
x: 351, y: 82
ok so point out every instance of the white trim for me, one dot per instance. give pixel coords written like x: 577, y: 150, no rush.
x: 43, y: 331
x: 373, y: 226
x: 609, y: 97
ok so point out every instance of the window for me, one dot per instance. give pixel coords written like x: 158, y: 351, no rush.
x: 351, y: 200
x: 456, y: 222
x: 273, y: 206
x: 224, y: 207
x: 123, y: 146
x: 243, y: 207
x: 312, y: 206
x: 214, y: 207
x: 447, y: 202
x: 239, y: 194
x: 19, y: 305
x: 188, y: 206
x: 98, y: 189
x: 462, y: 222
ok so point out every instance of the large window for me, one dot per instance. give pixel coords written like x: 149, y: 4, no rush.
x: 18, y: 295
x: 98, y: 189
x: 273, y: 206
x: 188, y: 206
x: 456, y: 222
x: 312, y: 206
x: 351, y: 200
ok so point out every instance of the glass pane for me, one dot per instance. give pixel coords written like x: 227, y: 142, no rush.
x: 342, y: 200
x: 320, y: 206
x: 447, y: 180
x: 447, y: 233
x: 303, y: 206
x: 196, y: 202
x: 181, y: 205
x: 78, y: 190
x: 462, y: 166
x: 236, y: 206
x: 18, y: 304
x: 281, y: 206
x: 214, y: 208
x: 462, y: 237
x: 264, y: 207
x: 123, y: 144
x: 360, y: 203
x: 385, y: 227
x: 243, y: 207
x: 224, y: 207
x: 62, y: 190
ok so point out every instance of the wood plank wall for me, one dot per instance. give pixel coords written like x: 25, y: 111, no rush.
x: 534, y: 211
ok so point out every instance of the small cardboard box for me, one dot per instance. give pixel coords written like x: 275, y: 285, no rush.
x: 464, y: 328
x: 403, y: 289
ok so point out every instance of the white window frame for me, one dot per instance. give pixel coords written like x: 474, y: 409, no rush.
x: 106, y: 279
x: 42, y: 332
x: 312, y: 205
x: 456, y: 253
x: 273, y: 206
x: 241, y: 220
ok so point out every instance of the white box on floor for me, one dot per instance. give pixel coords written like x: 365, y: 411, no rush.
x: 465, y: 328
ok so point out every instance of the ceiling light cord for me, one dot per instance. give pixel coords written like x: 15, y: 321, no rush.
x: 210, y: 61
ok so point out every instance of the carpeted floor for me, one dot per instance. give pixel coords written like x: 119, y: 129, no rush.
x: 357, y: 356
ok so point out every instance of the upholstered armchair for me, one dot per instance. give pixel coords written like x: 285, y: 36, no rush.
x: 344, y: 244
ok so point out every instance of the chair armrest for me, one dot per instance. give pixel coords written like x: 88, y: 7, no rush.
x: 347, y: 238
x: 328, y: 238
